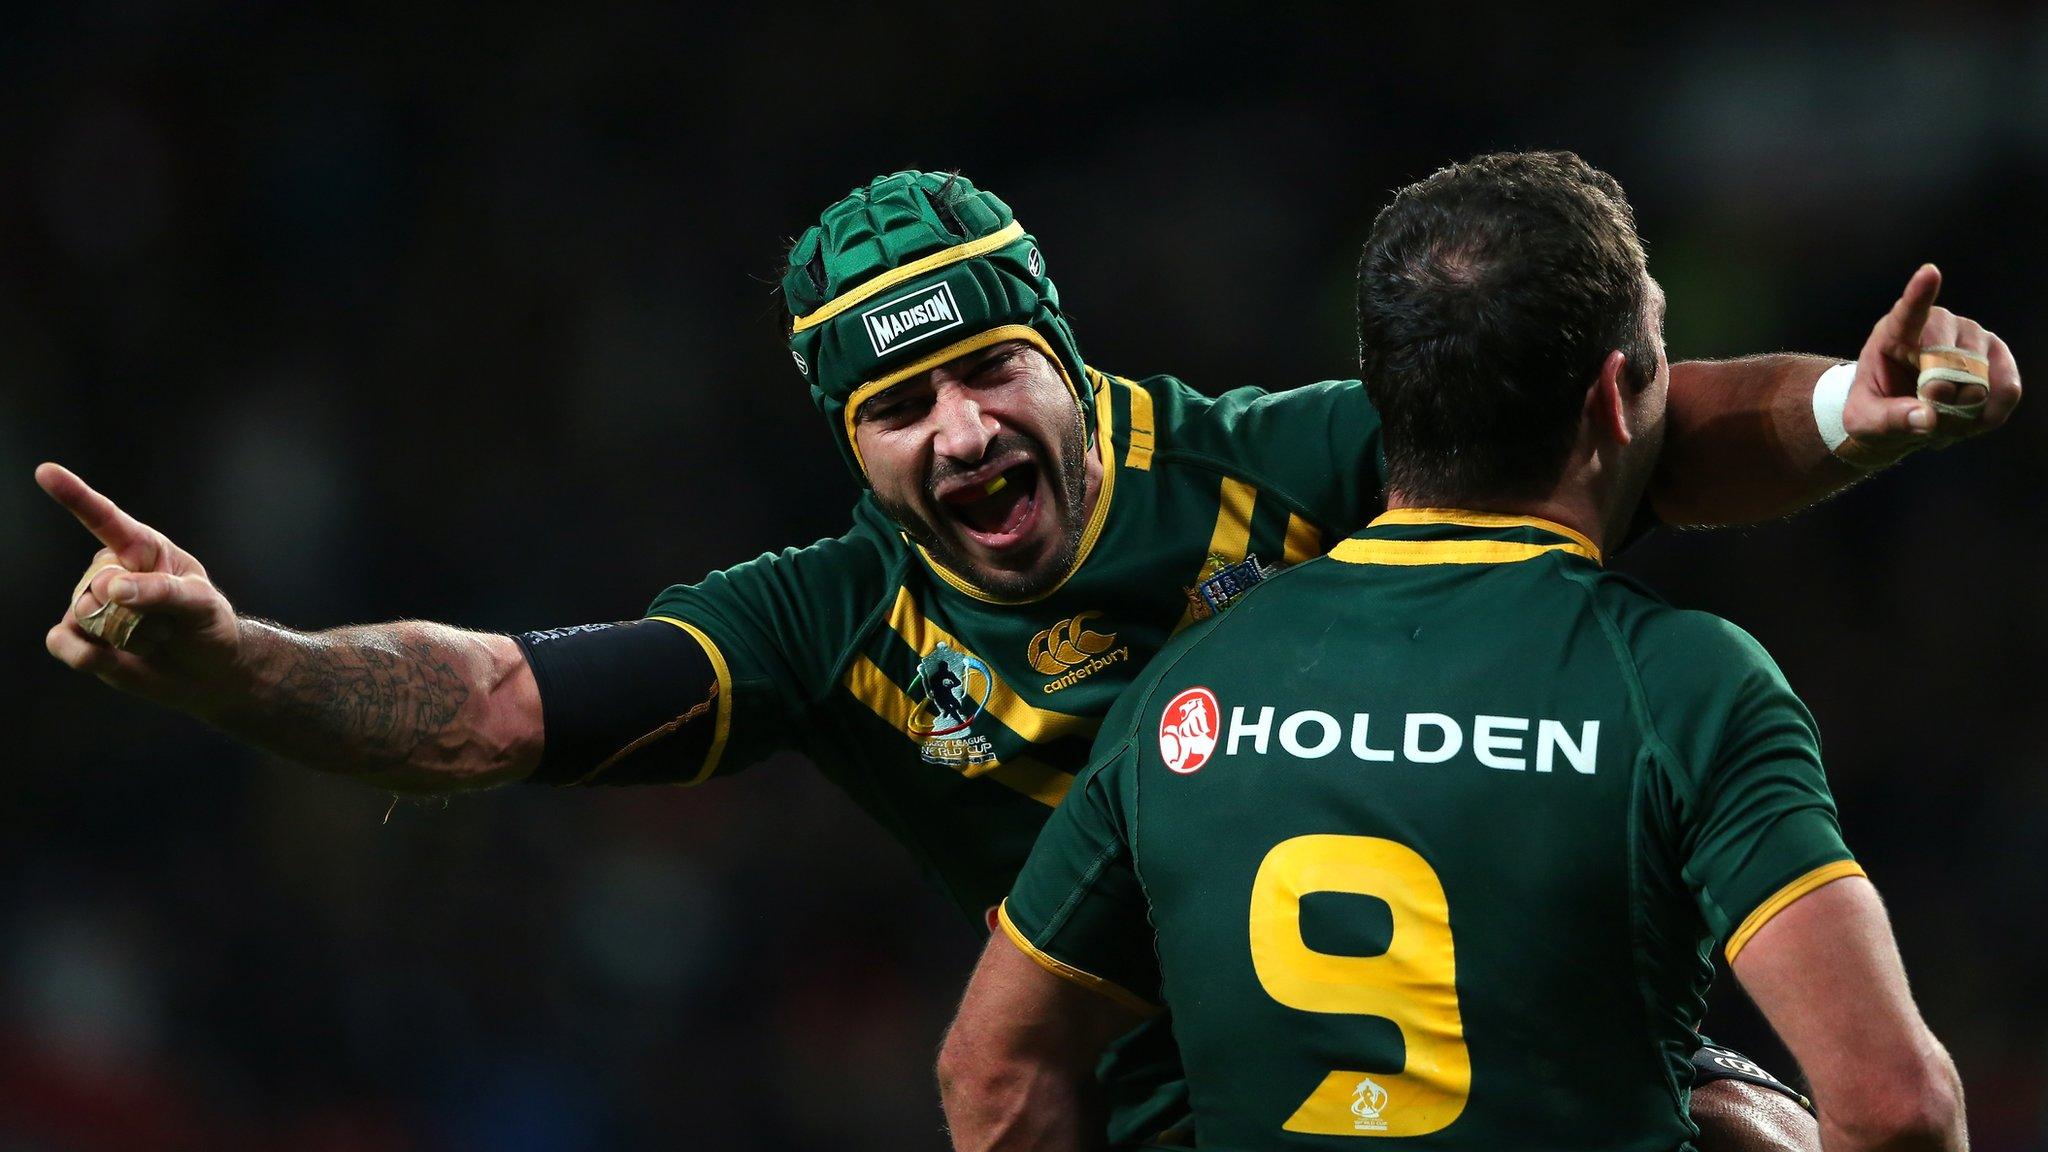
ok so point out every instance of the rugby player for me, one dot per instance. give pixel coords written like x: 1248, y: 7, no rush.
x: 1428, y: 840
x: 1033, y: 531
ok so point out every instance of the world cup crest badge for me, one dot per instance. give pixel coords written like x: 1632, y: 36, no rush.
x: 1368, y: 1101
x: 950, y: 689
x: 1187, y: 730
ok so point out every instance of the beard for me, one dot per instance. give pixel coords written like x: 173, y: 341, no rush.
x: 1066, y: 476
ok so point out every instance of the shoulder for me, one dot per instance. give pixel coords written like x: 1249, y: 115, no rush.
x: 1694, y: 673
x: 839, y: 575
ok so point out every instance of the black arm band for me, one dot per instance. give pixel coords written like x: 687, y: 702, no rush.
x: 629, y: 703
x: 1713, y: 1062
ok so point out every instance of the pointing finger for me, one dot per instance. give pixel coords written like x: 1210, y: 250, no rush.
x: 1900, y: 328
x: 126, y: 535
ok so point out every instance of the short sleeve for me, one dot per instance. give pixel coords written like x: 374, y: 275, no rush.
x: 774, y: 629
x: 1758, y: 825
x: 1077, y: 907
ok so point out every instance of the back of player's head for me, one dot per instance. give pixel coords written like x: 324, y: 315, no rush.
x: 905, y: 273
x: 1489, y: 295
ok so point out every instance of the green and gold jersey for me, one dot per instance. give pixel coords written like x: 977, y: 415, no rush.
x: 958, y: 720
x: 1430, y: 840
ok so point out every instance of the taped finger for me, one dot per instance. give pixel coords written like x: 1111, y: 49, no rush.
x: 85, y: 583
x: 112, y: 623
x: 1969, y: 374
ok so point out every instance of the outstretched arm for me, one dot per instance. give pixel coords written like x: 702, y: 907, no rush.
x: 1743, y: 443
x: 409, y: 706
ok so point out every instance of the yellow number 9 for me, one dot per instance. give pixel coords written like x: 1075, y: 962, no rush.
x: 1413, y: 984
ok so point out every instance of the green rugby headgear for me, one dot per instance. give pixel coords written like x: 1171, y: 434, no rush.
x: 905, y: 274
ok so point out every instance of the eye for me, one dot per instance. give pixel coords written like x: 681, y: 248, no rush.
x: 892, y: 409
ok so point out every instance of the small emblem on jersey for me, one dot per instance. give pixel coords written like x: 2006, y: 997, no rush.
x: 1187, y: 730
x: 1368, y: 1100
x: 802, y: 365
x: 949, y: 691
x: 912, y: 317
x: 1221, y: 582
x: 1070, y: 652
x: 1033, y: 262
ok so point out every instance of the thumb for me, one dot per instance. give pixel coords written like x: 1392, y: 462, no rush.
x: 1892, y: 418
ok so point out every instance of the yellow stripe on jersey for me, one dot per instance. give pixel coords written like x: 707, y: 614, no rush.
x: 1068, y: 972
x: 1418, y: 552
x: 1465, y: 519
x: 1035, y: 724
x: 872, y: 687
x: 1304, y: 541
x: 1230, y: 539
x: 1784, y: 898
x: 1139, y: 454
x: 722, y: 726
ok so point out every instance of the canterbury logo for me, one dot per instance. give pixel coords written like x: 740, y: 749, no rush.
x: 911, y: 317
x: 1067, y: 644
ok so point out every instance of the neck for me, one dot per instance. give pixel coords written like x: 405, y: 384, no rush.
x: 1575, y: 510
x: 1091, y: 479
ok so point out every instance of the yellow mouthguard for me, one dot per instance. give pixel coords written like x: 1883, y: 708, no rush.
x: 996, y: 485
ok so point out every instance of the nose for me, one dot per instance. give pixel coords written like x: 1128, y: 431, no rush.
x: 964, y: 429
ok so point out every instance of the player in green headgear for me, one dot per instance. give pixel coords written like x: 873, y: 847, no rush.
x: 947, y: 660
x: 911, y: 274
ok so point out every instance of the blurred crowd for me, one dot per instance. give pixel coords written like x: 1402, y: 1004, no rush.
x: 467, y: 316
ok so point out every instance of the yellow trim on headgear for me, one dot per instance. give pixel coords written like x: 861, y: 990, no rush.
x: 910, y: 271
x: 953, y: 351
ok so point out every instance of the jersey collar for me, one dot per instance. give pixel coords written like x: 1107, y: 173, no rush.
x: 1416, y: 536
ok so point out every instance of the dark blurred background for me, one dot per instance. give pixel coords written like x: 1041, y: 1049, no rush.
x: 437, y: 311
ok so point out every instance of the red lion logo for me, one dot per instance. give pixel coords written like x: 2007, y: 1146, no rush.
x: 1187, y: 730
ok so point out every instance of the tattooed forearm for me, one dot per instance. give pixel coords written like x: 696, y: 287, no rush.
x: 381, y: 696
x: 383, y: 703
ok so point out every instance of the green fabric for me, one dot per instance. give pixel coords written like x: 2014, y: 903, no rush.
x: 1581, y: 905
x: 795, y: 627
x: 897, y: 220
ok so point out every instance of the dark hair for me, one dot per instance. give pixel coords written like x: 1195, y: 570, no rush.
x: 1489, y: 294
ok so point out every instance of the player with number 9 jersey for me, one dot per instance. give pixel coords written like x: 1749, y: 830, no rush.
x: 1437, y: 833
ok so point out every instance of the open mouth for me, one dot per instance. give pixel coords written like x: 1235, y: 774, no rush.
x: 997, y: 512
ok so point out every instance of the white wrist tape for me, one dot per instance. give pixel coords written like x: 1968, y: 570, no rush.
x: 1830, y: 396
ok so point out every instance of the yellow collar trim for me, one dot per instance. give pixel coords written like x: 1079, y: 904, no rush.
x: 953, y: 351
x: 1465, y: 519
x: 1421, y: 552
x: 1105, y: 420
x: 910, y: 271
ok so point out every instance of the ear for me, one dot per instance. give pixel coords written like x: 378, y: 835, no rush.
x: 1605, y: 413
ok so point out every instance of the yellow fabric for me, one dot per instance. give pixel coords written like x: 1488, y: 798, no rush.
x: 722, y: 727
x: 1417, y: 552
x: 1465, y: 519
x: 910, y: 271
x: 1067, y: 971
x: 1784, y: 898
x: 872, y: 687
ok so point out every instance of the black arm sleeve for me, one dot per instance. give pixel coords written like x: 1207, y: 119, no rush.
x: 628, y: 703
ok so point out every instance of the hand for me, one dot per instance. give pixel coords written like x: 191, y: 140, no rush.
x: 1884, y: 415
x: 187, y: 644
